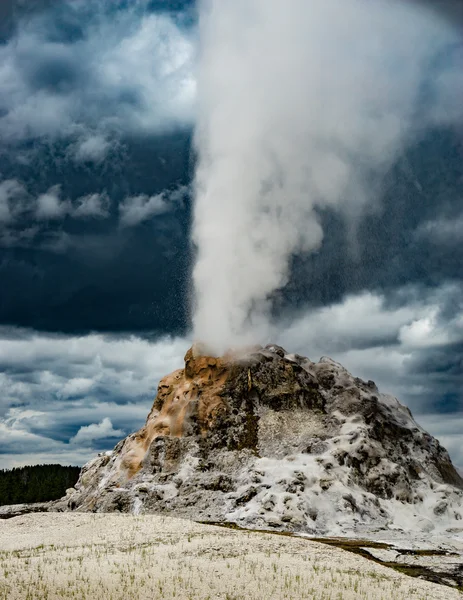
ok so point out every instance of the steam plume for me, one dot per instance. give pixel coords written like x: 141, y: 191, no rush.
x: 301, y: 103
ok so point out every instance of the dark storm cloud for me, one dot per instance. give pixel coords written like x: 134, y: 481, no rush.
x: 115, y: 281
x: 452, y: 10
x: 80, y: 270
x: 89, y: 89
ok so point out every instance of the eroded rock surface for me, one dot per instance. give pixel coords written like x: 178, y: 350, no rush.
x: 269, y: 439
x: 9, y: 511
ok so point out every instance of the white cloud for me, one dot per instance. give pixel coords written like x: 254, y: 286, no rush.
x: 20, y: 419
x: 51, y: 385
x: 19, y: 440
x: 92, y: 205
x: 50, y: 206
x: 19, y: 446
x: 142, y: 81
x: 15, y: 201
x: 126, y: 364
x: 93, y: 148
x: 77, y: 386
x: 428, y: 331
x: 95, y: 431
x: 362, y: 318
x: 157, y: 58
x: 136, y: 209
x: 443, y: 231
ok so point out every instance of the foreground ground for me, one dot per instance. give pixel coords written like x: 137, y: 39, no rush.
x: 51, y: 556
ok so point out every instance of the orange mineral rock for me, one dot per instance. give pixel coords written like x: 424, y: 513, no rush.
x: 188, y: 401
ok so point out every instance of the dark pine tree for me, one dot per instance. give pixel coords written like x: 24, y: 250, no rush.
x: 39, y: 483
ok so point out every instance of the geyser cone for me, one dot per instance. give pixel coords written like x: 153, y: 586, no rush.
x: 268, y: 438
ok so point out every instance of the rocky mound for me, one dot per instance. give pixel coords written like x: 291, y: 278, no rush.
x: 270, y: 439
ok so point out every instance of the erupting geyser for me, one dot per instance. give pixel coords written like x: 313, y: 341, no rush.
x: 302, y: 107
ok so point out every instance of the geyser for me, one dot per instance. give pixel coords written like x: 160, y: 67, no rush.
x: 302, y: 106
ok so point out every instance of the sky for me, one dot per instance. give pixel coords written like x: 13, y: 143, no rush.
x: 98, y: 109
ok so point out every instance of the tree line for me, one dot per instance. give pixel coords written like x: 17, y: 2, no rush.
x: 39, y: 483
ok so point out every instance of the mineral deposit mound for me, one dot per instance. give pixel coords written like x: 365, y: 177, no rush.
x: 264, y: 439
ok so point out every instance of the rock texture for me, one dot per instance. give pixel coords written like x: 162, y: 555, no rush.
x: 269, y: 439
x: 8, y: 511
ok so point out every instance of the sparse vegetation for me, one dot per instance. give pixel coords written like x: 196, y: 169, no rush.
x: 116, y: 557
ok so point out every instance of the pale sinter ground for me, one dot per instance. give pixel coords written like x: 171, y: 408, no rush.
x: 124, y: 557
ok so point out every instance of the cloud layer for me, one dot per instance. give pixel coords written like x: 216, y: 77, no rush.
x: 64, y: 398
x: 88, y: 70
